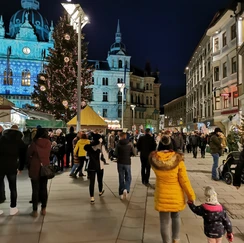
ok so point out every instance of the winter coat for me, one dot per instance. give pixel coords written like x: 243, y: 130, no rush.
x: 216, y: 221
x: 171, y: 181
x: 146, y: 144
x: 215, y: 144
x: 61, y: 144
x: 76, y: 158
x: 79, y: 147
x: 179, y: 141
x: 111, y: 141
x: 203, y: 142
x: 38, y: 153
x: 123, y: 151
x: 94, y: 153
x: 194, y: 140
x: 12, y: 148
x: 239, y: 170
x: 69, y: 140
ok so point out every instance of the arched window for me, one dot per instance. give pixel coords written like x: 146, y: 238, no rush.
x: 8, y: 77
x: 105, y: 81
x: 147, y: 86
x: 120, y: 80
x: 142, y: 99
x: 105, y: 96
x: 151, y: 87
x: 26, y: 81
x: 126, y: 64
x: 119, y: 97
x: 131, y: 99
x: 138, y: 99
x: 150, y: 100
x: 120, y: 64
x: 147, y: 100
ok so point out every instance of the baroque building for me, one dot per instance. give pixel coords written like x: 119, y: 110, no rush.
x: 22, y: 52
x: 141, y: 93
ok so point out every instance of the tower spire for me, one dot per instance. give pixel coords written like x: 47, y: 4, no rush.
x: 118, y: 35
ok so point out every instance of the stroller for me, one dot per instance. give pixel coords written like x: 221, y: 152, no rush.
x: 227, y: 169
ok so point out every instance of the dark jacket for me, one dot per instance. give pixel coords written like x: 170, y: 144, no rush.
x: 123, y: 151
x: 12, y: 148
x: 179, y: 141
x: 195, y: 140
x: 216, y: 220
x: 38, y: 153
x: 94, y: 153
x: 69, y: 140
x: 61, y: 143
x: 239, y: 170
x: 146, y: 144
x: 203, y: 142
x: 215, y: 144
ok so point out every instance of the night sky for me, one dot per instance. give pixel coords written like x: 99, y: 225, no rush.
x: 163, y: 32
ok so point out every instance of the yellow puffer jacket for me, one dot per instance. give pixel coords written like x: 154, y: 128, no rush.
x: 79, y: 147
x: 171, y: 181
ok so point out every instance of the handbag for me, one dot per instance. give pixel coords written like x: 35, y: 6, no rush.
x: 47, y: 171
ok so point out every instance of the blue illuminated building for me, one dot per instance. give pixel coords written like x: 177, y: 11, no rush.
x: 22, y: 52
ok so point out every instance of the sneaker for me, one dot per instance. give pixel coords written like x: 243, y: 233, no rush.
x: 1, y: 212
x: 34, y: 214
x: 121, y: 197
x: 125, y: 194
x: 101, y: 193
x: 92, y: 200
x: 13, y: 211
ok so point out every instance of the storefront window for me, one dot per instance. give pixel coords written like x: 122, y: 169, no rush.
x: 226, y: 101
x: 235, y: 98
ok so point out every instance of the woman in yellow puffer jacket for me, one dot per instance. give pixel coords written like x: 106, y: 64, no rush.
x: 172, y: 184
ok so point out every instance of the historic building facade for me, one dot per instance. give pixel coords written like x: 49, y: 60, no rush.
x: 141, y: 93
x: 22, y: 52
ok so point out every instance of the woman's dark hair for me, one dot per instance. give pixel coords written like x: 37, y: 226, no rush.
x: 40, y: 133
x: 83, y: 136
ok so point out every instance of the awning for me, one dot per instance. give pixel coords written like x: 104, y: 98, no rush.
x: 45, y: 124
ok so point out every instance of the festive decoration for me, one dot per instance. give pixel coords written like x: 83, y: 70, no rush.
x: 66, y: 59
x: 232, y: 139
x: 60, y: 79
x: 42, y: 88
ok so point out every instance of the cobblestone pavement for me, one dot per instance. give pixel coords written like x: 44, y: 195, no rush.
x: 71, y: 219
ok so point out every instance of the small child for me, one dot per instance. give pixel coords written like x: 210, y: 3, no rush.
x: 216, y: 220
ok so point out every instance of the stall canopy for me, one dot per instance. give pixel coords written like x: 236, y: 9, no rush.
x: 45, y: 124
x: 88, y: 118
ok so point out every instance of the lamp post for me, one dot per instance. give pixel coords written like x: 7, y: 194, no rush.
x: 133, y: 109
x: 78, y: 20
x: 122, y: 87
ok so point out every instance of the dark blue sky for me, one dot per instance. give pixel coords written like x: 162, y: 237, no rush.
x: 164, y: 32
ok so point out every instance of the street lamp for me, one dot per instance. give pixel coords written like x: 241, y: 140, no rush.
x: 122, y: 87
x: 133, y: 109
x: 78, y: 20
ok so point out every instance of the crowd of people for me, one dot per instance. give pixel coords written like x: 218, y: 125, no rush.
x: 86, y: 151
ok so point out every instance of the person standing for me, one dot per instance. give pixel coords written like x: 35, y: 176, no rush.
x: 146, y: 144
x: 195, y: 142
x: 61, y: 151
x: 111, y: 145
x: 12, y: 161
x: 172, y: 183
x: 216, y: 151
x: 2, y: 185
x: 123, y: 151
x: 178, y: 139
x: 69, y: 147
x: 39, y: 153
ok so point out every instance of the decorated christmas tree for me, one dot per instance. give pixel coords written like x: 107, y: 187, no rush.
x: 55, y: 91
x: 232, y: 139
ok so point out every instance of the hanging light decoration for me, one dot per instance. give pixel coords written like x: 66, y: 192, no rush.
x: 65, y: 103
x: 66, y: 59
x: 43, y: 88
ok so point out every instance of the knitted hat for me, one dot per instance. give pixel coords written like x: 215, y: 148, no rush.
x: 211, y: 195
x: 58, y: 131
x: 166, y: 143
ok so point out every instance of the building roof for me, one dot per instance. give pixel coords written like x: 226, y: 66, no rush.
x: 99, y: 65
x: 176, y: 100
x: 88, y: 117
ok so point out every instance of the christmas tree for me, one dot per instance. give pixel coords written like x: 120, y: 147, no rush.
x: 55, y: 91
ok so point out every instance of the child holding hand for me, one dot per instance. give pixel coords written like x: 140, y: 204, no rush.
x: 216, y: 220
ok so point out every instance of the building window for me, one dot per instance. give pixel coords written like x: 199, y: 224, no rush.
x: 132, y: 98
x: 105, y: 96
x: 217, y: 101
x: 105, y: 112
x: 233, y: 31
x: 119, y: 97
x: 209, y: 47
x: 120, y: 64
x: 8, y: 77
x: 151, y: 101
x: 120, y: 80
x: 105, y: 81
x: 26, y: 78
x: 226, y: 101
x: 216, y: 44
x: 147, y: 87
x: 233, y: 65
x: 150, y: 86
x: 209, y: 88
x: 224, y: 39
x: 209, y: 66
x: 216, y: 73
x: 119, y: 113
x: 235, y: 98
x: 225, y: 70
x: 147, y: 100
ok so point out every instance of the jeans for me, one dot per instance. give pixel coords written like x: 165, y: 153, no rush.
x: 74, y: 169
x: 167, y: 220
x: 215, y: 166
x: 92, y: 175
x: 145, y: 170
x: 39, y: 189
x: 69, y: 152
x: 203, y: 149
x: 216, y: 240
x: 194, y: 150
x: 2, y: 190
x: 12, y: 181
x: 80, y: 167
x: 124, y: 177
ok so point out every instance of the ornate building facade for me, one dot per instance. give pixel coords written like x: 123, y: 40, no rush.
x: 22, y: 52
x: 141, y: 93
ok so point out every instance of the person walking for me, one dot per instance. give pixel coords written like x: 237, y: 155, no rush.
x: 69, y: 147
x: 195, y: 142
x: 123, y: 151
x: 203, y: 144
x: 216, y: 151
x: 38, y: 154
x: 216, y: 220
x: 95, y: 165
x: 111, y: 145
x: 179, y: 141
x: 12, y: 161
x: 146, y: 144
x: 61, y: 151
x: 237, y: 180
x: 172, y: 183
